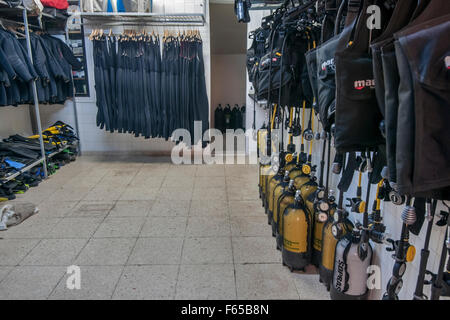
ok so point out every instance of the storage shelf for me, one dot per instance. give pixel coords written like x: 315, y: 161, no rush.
x: 21, y: 171
x: 265, y: 5
x: 139, y: 18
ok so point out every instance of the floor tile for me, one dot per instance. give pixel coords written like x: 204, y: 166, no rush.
x: 104, y: 193
x: 210, y: 171
x: 309, y: 287
x: 264, y: 281
x: 156, y: 251
x: 97, y: 283
x: 246, y: 208
x: 147, y: 282
x: 131, y: 208
x: 208, y: 227
x: 139, y: 193
x: 113, y: 251
x: 119, y: 227
x: 4, y: 271
x: 27, y: 282
x: 255, y: 250
x: 164, y: 227
x: 56, y: 209
x: 69, y: 194
x: 209, y: 194
x: 54, y: 252
x: 207, y: 250
x: 250, y: 226
x: 209, y: 208
x: 206, y: 282
x: 174, y: 193
x: 169, y: 208
x: 34, y: 227
x: 146, y: 181
x: 178, y: 182
x: 12, y: 251
x: 75, y: 228
x: 91, y: 209
x: 209, y: 182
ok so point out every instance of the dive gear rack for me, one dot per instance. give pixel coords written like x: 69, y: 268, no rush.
x: 20, y: 16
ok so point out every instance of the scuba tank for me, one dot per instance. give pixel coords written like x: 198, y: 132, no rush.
x: 296, y: 232
x: 335, y: 226
x: 353, y: 255
x: 227, y: 117
x: 243, y: 118
x: 272, y: 183
x: 219, y: 119
x: 264, y: 161
x: 277, y: 192
x: 235, y: 117
x: 286, y: 199
x: 350, y: 270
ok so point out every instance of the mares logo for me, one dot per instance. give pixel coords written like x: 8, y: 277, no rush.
x: 340, y: 275
x: 361, y: 84
x: 328, y: 63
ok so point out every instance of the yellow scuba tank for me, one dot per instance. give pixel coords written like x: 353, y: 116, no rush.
x: 296, y: 231
x: 286, y: 199
x: 337, y: 226
x: 263, y: 167
x: 277, y: 193
x: 272, y: 183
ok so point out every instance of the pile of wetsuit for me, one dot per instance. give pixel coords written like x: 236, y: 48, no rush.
x: 17, y: 152
x: 53, y: 61
x: 146, y: 93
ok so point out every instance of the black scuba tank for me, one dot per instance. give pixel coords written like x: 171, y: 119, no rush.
x: 227, y: 117
x: 219, y: 119
x: 296, y: 233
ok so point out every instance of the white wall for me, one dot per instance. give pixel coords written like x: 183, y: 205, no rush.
x: 391, y: 213
x: 227, y: 80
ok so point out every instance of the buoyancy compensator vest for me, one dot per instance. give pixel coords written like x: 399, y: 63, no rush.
x: 326, y: 70
x: 357, y: 113
x: 296, y: 232
x: 425, y: 94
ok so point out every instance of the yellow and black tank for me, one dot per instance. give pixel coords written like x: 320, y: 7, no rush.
x: 277, y: 192
x: 271, y: 185
x: 296, y: 229
x: 286, y: 199
x: 318, y: 223
x: 329, y: 242
x: 264, y: 164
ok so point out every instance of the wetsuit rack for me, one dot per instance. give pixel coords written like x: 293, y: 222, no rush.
x: 20, y: 16
x: 142, y: 18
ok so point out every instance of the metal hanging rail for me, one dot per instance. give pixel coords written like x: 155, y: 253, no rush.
x: 265, y: 5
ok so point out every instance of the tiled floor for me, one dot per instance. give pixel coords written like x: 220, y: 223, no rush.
x: 148, y: 231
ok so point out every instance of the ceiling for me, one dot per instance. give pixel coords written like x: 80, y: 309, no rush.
x: 227, y: 35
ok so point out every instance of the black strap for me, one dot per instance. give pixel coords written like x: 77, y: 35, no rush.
x: 349, y: 170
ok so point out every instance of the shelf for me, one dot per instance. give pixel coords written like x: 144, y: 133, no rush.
x: 23, y: 170
x: 265, y: 5
x: 140, y: 18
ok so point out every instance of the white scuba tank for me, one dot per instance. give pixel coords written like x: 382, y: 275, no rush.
x: 350, y: 269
